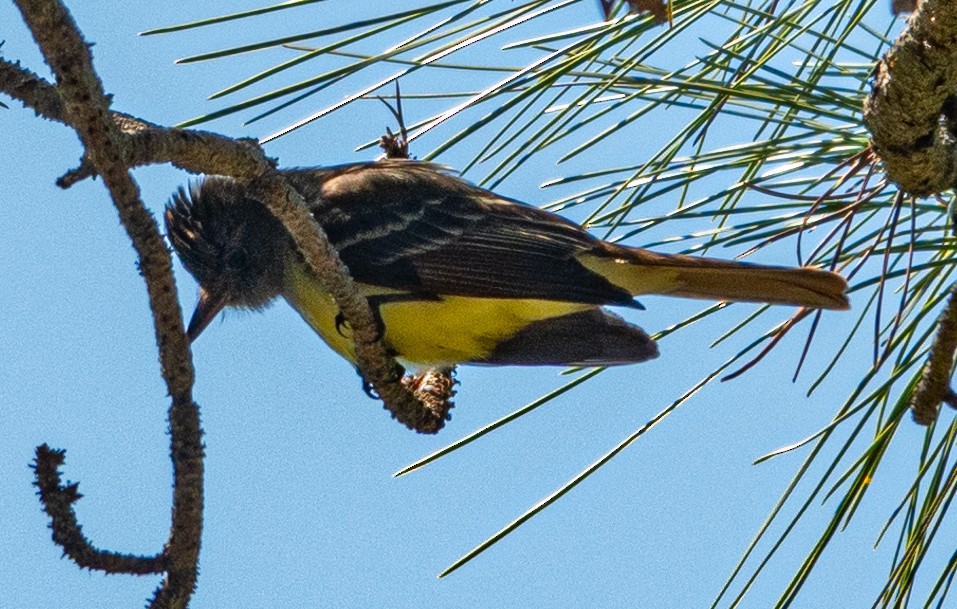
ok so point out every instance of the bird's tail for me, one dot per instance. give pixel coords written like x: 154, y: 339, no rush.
x: 643, y: 272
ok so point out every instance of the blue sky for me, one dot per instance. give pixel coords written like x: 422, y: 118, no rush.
x: 302, y: 508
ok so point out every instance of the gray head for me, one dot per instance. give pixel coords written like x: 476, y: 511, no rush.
x: 230, y: 243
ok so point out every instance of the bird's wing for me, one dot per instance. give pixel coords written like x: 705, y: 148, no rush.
x: 409, y: 226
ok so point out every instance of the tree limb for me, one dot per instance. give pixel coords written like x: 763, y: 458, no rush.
x: 113, y: 143
x: 86, y: 108
x: 205, y: 152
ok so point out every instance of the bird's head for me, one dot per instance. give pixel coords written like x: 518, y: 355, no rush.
x: 230, y: 243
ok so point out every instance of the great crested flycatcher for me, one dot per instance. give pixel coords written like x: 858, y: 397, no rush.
x: 456, y: 274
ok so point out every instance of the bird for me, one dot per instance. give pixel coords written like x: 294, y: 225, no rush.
x: 454, y: 273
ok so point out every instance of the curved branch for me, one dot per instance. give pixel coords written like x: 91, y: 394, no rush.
x: 57, y: 500
x: 86, y: 109
x: 145, y: 143
x: 113, y: 143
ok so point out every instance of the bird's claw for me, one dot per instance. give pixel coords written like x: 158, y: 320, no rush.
x: 369, y: 388
x: 374, y: 304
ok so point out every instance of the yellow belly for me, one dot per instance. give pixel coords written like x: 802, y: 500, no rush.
x: 431, y: 333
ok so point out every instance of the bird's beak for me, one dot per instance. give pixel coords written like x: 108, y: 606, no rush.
x: 207, y: 309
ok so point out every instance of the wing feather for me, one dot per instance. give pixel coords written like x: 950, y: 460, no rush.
x: 410, y: 226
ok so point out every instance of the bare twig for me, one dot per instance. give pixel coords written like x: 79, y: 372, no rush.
x: 33, y: 91
x: 395, y: 146
x: 86, y: 108
x: 182, y: 549
x: 908, y: 109
x: 57, y: 500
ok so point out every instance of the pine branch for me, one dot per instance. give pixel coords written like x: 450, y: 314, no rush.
x: 910, y: 111
x: 145, y: 143
x: 934, y: 386
x: 86, y: 108
x: 113, y: 143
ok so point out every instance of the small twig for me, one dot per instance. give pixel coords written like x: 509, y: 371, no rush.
x: 34, y: 92
x: 57, y: 500
x: 934, y: 385
x: 395, y: 146
x: 776, y: 337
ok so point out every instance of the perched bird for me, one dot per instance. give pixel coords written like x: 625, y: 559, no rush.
x: 455, y: 273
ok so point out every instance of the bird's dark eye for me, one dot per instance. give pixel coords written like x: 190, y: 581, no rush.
x: 237, y: 259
